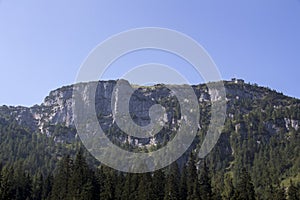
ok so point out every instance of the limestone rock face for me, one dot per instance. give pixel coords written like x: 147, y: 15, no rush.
x: 57, y: 109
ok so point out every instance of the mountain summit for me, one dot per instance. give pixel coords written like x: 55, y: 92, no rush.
x: 261, y: 131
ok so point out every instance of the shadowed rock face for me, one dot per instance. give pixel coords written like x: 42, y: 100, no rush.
x: 57, y: 109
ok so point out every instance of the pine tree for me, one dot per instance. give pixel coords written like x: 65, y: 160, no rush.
x: 80, y: 183
x: 133, y: 185
x: 61, y: 179
x: 108, y: 190
x: 37, y: 186
x: 172, y: 183
x: 7, y: 189
x: 47, y: 187
x: 228, y: 191
x: 244, y: 189
x: 158, y: 184
x: 120, y: 179
x: 192, y: 182
x: 145, y: 186
x: 183, y: 183
x: 127, y: 186
x: 204, y: 182
x: 22, y: 184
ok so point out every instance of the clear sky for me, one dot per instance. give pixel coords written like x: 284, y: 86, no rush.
x: 43, y: 43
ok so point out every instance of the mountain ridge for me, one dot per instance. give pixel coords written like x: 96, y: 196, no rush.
x: 58, y: 104
x: 261, y: 129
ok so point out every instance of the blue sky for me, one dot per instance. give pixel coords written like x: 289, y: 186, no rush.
x: 43, y: 43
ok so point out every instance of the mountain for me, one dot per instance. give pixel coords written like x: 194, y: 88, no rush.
x: 261, y: 131
x: 57, y: 106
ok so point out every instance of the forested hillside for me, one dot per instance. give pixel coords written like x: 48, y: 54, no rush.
x: 256, y: 157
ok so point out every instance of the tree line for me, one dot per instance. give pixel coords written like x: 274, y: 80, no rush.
x: 75, y: 179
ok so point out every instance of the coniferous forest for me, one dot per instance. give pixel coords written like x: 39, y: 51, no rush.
x: 75, y: 179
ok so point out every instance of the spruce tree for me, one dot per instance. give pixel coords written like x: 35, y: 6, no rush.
x: 192, y: 182
x: 7, y: 189
x: 204, y: 182
x: 145, y: 186
x: 183, y: 183
x: 244, y: 189
x: 108, y: 190
x: 159, y: 181
x: 228, y: 191
x: 37, y: 186
x: 120, y: 179
x: 80, y: 183
x: 127, y: 186
x: 47, y: 187
x: 61, y: 179
x: 172, y: 183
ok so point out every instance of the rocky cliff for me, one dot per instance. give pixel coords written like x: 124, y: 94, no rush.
x: 57, y: 109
